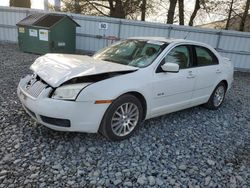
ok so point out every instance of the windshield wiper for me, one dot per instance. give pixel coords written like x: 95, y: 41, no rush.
x: 111, y: 60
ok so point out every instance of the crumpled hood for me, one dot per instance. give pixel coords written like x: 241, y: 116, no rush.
x: 56, y: 69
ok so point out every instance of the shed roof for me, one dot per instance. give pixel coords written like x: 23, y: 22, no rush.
x: 43, y: 20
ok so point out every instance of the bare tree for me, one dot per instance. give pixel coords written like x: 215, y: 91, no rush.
x: 171, y: 11
x: 22, y: 3
x: 244, y: 16
x: 116, y: 9
x: 229, y: 14
x: 77, y: 6
x: 181, y: 12
x: 113, y: 8
x: 143, y: 10
x: 196, y: 8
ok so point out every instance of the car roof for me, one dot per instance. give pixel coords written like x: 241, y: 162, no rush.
x: 167, y: 40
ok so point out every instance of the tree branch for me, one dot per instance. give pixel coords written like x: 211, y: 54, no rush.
x: 97, y: 8
x: 98, y: 4
x: 236, y: 14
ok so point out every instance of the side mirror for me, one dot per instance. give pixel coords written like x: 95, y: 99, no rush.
x: 170, y: 67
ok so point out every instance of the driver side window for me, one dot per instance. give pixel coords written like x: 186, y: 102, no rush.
x: 179, y: 55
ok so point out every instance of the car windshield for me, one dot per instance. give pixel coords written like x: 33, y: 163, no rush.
x: 137, y: 53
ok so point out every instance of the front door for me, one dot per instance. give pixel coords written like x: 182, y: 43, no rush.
x: 173, y: 91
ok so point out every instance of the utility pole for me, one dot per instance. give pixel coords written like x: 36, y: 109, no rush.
x: 46, y: 5
x: 57, y: 5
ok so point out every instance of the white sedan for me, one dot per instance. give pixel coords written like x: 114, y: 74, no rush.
x: 124, y: 84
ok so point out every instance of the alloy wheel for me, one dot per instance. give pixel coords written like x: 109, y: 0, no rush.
x: 219, y: 96
x: 125, y: 119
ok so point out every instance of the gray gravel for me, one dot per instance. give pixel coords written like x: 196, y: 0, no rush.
x: 191, y: 148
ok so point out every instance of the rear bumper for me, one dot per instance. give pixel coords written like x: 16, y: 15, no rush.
x: 63, y: 115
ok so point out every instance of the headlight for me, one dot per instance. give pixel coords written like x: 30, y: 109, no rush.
x: 68, y: 92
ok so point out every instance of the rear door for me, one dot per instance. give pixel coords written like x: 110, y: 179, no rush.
x: 207, y: 70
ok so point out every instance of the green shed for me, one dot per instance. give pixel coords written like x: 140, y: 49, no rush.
x: 47, y: 33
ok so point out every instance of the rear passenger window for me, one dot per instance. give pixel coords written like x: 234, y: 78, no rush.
x: 205, y: 57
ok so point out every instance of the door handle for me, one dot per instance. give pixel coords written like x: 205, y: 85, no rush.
x: 190, y: 74
x: 218, y: 71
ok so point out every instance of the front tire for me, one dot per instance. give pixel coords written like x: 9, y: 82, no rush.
x: 217, y: 97
x: 122, y: 118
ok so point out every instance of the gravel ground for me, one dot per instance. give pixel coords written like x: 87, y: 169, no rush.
x: 191, y: 148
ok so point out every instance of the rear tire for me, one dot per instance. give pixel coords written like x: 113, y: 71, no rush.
x: 121, y: 118
x: 217, y: 97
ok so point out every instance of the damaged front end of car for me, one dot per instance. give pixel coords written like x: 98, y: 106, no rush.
x: 33, y: 85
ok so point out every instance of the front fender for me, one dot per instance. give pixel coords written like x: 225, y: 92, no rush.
x: 114, y: 87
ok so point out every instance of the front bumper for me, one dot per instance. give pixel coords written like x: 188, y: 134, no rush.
x: 82, y: 116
